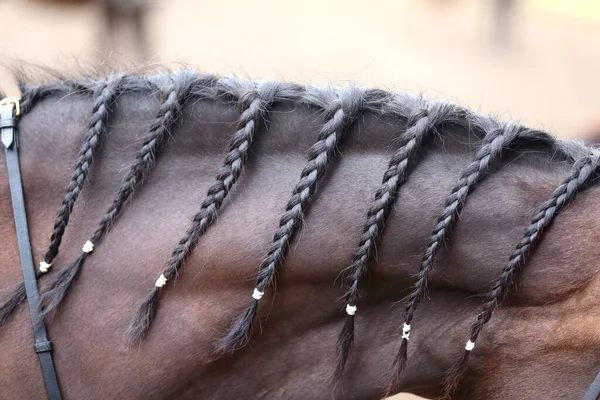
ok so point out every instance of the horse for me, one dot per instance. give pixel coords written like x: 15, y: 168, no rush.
x: 295, y: 273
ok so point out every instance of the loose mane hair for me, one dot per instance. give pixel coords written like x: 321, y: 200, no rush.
x: 339, y: 108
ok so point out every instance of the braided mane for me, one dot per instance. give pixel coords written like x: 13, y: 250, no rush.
x: 340, y: 108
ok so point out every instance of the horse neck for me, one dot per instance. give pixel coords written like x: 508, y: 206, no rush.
x: 546, y: 319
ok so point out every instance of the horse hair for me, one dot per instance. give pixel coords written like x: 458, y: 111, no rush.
x: 419, y: 126
x: 581, y: 174
x: 104, y: 95
x: 340, y: 108
x: 255, y: 105
x: 103, y: 98
x: 491, y: 150
x: 167, y: 114
x: 342, y: 111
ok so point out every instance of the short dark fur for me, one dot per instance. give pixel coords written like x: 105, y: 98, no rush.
x: 255, y: 105
x: 581, y: 174
x: 175, y: 96
x: 494, y: 144
x: 341, y: 107
x: 341, y: 113
x: 419, y: 126
x: 104, y: 95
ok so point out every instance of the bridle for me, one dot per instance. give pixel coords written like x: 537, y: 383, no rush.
x: 593, y: 392
x: 10, y: 112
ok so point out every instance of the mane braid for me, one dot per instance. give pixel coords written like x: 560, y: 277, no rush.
x: 341, y: 113
x: 104, y: 95
x: 341, y: 108
x: 419, y: 126
x: 255, y: 104
x: 33, y: 95
x: 166, y: 116
x: 492, y: 149
x: 103, y: 98
x: 581, y: 173
x: 17, y: 297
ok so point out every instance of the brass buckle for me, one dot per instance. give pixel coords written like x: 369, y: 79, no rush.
x: 12, y: 100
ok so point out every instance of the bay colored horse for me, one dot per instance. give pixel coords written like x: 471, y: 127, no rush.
x: 158, y: 280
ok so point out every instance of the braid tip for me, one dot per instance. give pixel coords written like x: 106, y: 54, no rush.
x: 398, y: 368
x: 140, y: 324
x: 17, y: 297
x: 454, y: 375
x: 58, y: 288
x: 240, y: 330
x: 344, y: 345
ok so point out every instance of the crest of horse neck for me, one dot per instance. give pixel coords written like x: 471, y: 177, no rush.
x: 542, y: 340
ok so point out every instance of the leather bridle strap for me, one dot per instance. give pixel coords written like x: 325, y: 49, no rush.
x: 9, y: 114
x: 593, y: 393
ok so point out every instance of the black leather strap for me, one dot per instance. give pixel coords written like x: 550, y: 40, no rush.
x: 594, y: 390
x: 43, y: 346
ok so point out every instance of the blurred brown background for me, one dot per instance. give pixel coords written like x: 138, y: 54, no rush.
x: 532, y: 60
x: 541, y: 69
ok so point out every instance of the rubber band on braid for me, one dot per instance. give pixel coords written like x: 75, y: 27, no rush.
x: 341, y: 113
x: 175, y: 96
x: 419, y: 127
x: 581, y: 173
x: 495, y: 142
x: 104, y: 95
x: 255, y: 105
x: 103, y: 98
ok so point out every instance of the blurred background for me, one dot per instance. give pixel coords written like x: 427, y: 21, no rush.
x: 537, y: 61
x: 532, y: 60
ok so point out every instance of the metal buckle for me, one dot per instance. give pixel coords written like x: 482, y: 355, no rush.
x: 14, y: 101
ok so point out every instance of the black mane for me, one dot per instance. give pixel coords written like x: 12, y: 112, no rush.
x: 339, y: 107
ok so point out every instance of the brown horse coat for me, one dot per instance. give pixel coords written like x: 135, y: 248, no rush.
x: 542, y: 343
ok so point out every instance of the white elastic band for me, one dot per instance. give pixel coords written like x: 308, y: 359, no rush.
x: 161, y: 281
x: 351, y: 310
x: 88, y: 247
x: 406, y: 331
x: 257, y: 295
x: 44, y: 267
x: 470, y: 345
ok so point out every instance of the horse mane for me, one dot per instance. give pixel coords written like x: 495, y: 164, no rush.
x: 339, y: 108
